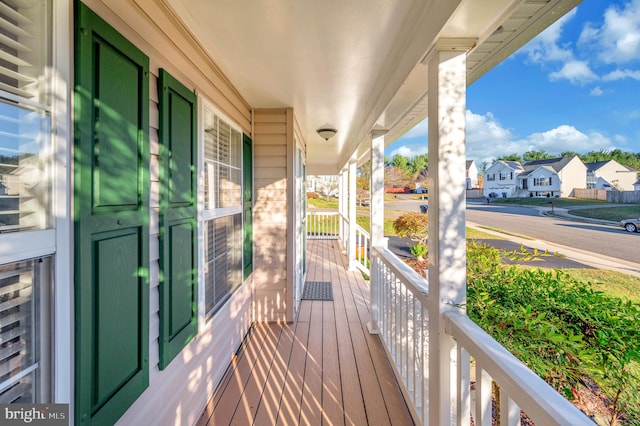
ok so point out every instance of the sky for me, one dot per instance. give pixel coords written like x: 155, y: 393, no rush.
x: 575, y: 87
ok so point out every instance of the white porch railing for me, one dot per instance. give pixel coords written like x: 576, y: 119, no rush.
x: 400, y: 295
x: 323, y: 225
x: 333, y: 226
x: 363, y: 248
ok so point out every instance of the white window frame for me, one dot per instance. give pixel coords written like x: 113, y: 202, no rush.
x: 205, y: 214
x: 55, y: 309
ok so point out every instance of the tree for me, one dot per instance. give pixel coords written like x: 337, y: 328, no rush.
x: 534, y: 155
x: 400, y: 162
x: 396, y: 178
x: 419, y: 163
x: 414, y: 226
x: 328, y: 186
x: 511, y: 157
x: 364, y: 176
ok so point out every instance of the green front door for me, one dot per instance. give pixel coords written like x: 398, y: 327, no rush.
x: 111, y: 221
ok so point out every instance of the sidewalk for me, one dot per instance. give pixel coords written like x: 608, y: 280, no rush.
x: 587, y: 258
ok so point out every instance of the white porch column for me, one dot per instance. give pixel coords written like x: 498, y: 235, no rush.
x: 377, y: 188
x: 341, y: 197
x: 344, y: 207
x: 351, y: 251
x: 447, y: 246
x: 376, y: 217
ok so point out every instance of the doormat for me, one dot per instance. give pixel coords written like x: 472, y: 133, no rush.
x: 317, y: 290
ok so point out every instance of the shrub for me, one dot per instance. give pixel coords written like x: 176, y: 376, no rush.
x: 418, y: 250
x: 412, y: 226
x: 562, y: 328
x: 313, y: 195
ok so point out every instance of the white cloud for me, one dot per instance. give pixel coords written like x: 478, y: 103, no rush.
x: 577, y: 72
x: 487, y: 139
x: 568, y: 138
x: 545, y: 47
x: 596, y: 91
x: 622, y: 74
x: 409, y: 151
x: 618, y: 40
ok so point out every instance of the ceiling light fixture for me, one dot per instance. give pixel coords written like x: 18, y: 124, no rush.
x: 327, y: 133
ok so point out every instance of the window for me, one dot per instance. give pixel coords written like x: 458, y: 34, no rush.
x: 223, y: 254
x: 223, y: 210
x: 21, y: 284
x: 542, y: 181
x: 506, y: 175
x: 222, y: 150
x: 491, y: 177
x: 25, y: 200
x: 24, y: 116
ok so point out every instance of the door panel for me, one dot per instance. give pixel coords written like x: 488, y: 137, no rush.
x: 111, y: 193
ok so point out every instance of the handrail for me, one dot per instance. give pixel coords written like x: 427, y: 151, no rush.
x: 401, y: 313
x: 323, y: 225
x: 363, y: 248
x: 402, y: 317
x: 519, y: 387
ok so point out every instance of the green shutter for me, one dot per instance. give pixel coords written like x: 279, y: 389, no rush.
x: 111, y: 212
x: 178, y: 273
x: 247, y: 206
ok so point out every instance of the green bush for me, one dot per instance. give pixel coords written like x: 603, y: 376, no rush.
x: 562, y: 328
x: 418, y: 250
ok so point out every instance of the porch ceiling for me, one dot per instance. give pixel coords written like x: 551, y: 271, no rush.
x: 353, y: 65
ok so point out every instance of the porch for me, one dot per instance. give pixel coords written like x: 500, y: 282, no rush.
x: 323, y: 368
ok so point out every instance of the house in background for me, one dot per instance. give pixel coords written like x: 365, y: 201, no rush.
x: 610, y: 175
x: 555, y: 177
x: 501, y: 179
x: 326, y: 186
x: 162, y: 148
x: 472, y: 174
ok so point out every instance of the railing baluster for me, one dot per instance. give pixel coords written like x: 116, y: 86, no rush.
x: 483, y: 396
x: 463, y: 386
x: 509, y: 410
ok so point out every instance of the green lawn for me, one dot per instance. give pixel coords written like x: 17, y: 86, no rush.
x: 557, y: 202
x: 613, y: 213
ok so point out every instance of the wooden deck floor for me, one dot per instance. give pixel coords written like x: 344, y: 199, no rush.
x: 323, y: 369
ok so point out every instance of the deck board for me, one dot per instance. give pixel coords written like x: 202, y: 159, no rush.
x: 323, y: 369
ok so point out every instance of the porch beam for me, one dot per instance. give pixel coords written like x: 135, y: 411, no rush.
x: 447, y: 244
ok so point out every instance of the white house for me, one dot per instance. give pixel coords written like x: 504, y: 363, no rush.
x: 325, y: 185
x: 555, y: 177
x: 501, y: 179
x: 610, y: 175
x: 163, y: 213
x: 472, y: 174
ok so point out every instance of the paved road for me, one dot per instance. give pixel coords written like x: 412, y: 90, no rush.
x: 607, y: 240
